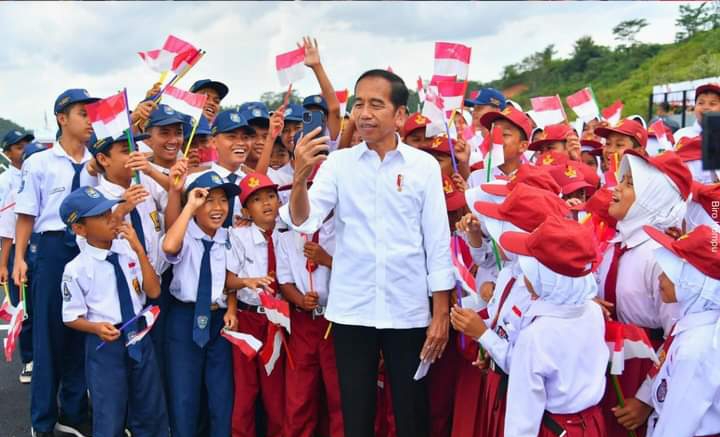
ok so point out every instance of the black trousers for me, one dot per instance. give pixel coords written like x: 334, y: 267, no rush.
x: 357, y: 350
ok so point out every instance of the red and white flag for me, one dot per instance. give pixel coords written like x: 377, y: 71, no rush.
x: 462, y: 274
x: 547, y: 110
x: 583, y: 104
x: 495, y: 155
x: 421, y: 90
x: 184, y: 101
x: 342, y: 97
x: 290, y: 66
x: 6, y: 308
x: 613, y: 113
x: 625, y: 342
x: 270, y: 353
x: 661, y: 131
x: 452, y: 94
x: 150, y: 314
x: 174, y: 56
x: 247, y: 344
x: 434, y: 110
x: 452, y: 61
x: 276, y: 310
x: 10, y: 343
x: 109, y: 117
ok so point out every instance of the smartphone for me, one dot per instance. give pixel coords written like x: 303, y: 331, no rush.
x: 311, y: 121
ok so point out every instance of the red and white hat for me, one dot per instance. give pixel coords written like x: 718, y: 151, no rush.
x: 414, y: 121
x: 689, y: 149
x: 514, y: 116
x: 528, y: 174
x: 254, y: 182
x: 707, y: 88
x: 569, y: 177
x: 598, y: 205
x: 672, y: 166
x: 454, y: 198
x: 699, y: 248
x: 551, y: 134
x: 552, y: 158
x: 708, y: 197
x: 564, y: 246
x: 440, y: 145
x: 627, y: 127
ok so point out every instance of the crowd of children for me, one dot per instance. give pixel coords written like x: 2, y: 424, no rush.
x: 581, y: 224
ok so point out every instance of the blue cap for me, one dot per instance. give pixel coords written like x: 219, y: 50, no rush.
x: 14, y: 137
x: 203, y: 127
x: 488, y: 96
x: 229, y: 120
x: 255, y: 111
x: 294, y: 112
x: 102, y: 145
x: 84, y: 202
x: 32, y: 149
x: 212, y: 180
x: 164, y: 115
x: 219, y: 87
x: 316, y: 100
x: 76, y: 95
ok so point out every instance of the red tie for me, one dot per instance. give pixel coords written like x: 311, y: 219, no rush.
x: 612, y: 276
x: 309, y: 265
x: 272, y: 263
x: 662, y: 354
x: 503, y: 298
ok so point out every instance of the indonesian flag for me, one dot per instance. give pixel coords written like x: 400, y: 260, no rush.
x: 247, y: 344
x: 452, y: 60
x: 462, y: 274
x: 10, y: 343
x: 452, y: 94
x: 273, y: 344
x: 547, y: 110
x: 290, y: 66
x: 109, y: 117
x: 612, y: 171
x: 626, y: 342
x: 150, y: 314
x: 6, y: 309
x: 434, y: 110
x: 421, y: 90
x: 342, y: 97
x: 583, y: 104
x: 184, y: 101
x: 613, y: 113
x: 276, y: 310
x: 660, y: 131
x: 174, y: 56
x: 495, y: 155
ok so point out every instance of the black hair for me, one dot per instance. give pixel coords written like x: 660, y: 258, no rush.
x: 66, y: 111
x: 398, y: 91
x: 710, y: 91
x: 665, y: 106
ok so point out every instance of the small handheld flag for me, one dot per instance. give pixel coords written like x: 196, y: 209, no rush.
x: 290, y: 66
x: 247, y: 344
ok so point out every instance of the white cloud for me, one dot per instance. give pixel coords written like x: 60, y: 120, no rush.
x: 49, y: 47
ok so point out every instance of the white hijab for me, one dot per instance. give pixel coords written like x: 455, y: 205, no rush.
x: 696, y: 216
x: 556, y: 288
x: 695, y: 291
x: 657, y: 201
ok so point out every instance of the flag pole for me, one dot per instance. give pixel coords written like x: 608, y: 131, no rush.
x: 24, y: 302
x: 450, y: 142
x: 128, y: 134
x: 495, y: 250
x: 620, y: 398
x: 458, y: 291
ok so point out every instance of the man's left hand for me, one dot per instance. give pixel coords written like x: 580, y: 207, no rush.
x: 437, y: 337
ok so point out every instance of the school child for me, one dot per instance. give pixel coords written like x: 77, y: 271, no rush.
x: 196, y: 245
x: 707, y: 99
x: 200, y: 155
x: 13, y: 144
x: 626, y: 135
x: 165, y: 130
x: 215, y: 92
x: 690, y: 151
x: 258, y: 259
x: 413, y: 132
x: 58, y: 351
x: 257, y: 115
x: 682, y: 390
x: 8, y: 221
x: 486, y: 100
x: 652, y: 191
x: 572, y: 182
x: 591, y: 149
x: 303, y: 273
x: 439, y: 148
x: 552, y: 137
x: 557, y: 373
x: 123, y: 379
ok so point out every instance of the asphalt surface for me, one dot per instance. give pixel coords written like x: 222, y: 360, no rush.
x: 14, y: 399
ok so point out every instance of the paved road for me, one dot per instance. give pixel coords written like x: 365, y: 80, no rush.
x: 14, y: 399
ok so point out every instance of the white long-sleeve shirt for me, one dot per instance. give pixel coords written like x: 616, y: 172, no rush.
x: 392, y: 235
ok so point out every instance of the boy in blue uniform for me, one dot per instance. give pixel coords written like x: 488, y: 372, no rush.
x: 196, y: 246
x: 58, y: 356
x: 124, y: 382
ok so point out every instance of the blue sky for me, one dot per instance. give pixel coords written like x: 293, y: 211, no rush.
x: 48, y: 46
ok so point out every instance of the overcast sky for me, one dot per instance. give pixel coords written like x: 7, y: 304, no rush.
x: 49, y: 47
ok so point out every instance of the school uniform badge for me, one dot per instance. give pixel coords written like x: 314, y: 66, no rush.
x: 501, y: 332
x: 136, y: 286
x: 662, y: 391
x: 202, y: 322
x: 155, y: 217
x: 66, y: 292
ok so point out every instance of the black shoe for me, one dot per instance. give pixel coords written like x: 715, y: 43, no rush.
x: 83, y: 429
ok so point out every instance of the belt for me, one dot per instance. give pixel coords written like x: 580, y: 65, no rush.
x: 53, y: 233
x: 317, y: 312
x: 213, y: 306
x: 655, y: 334
x: 251, y: 308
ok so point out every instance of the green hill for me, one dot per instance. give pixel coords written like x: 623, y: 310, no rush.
x: 7, y: 125
x: 626, y: 73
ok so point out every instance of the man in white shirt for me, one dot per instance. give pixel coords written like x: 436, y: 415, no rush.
x: 392, y: 253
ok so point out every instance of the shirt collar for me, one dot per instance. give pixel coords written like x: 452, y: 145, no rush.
x: 121, y: 247
x: 545, y: 308
x: 195, y: 232
x: 402, y: 148
x: 58, y: 150
x: 258, y: 235
x: 224, y: 173
x: 694, y: 320
x: 114, y: 189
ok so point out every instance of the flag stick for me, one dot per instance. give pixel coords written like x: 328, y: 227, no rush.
x: 163, y: 76
x: 24, y: 302
x: 495, y: 250
x: 586, y: 218
x: 620, y: 397
x: 7, y: 291
x: 126, y: 324
x: 327, y: 332
x: 458, y: 291
x: 450, y: 142
x: 128, y: 134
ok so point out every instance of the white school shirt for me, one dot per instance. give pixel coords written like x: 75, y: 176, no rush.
x: 479, y: 177
x: 46, y: 181
x: 500, y: 341
x: 291, y: 263
x: 224, y: 173
x: 10, y: 180
x: 558, y: 364
x: 150, y: 217
x: 8, y: 218
x: 187, y: 263
x: 686, y: 391
x: 689, y: 131
x: 282, y: 177
x: 638, y: 287
x: 248, y: 258
x: 392, y: 235
x: 89, y: 289
x: 157, y: 193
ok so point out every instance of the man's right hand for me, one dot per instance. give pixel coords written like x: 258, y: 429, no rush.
x: 107, y: 332
x: 310, y: 301
x: 20, y: 272
x: 307, y: 154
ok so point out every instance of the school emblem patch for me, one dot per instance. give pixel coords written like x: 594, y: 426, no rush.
x: 17, y: 133
x: 288, y: 111
x: 92, y: 193
x: 64, y: 101
x: 494, y: 101
x: 235, y: 117
x: 317, y: 99
x: 136, y: 286
x: 501, y: 332
x: 548, y: 160
x: 419, y: 119
x: 85, y: 93
x: 570, y: 172
x: 506, y: 111
x: 447, y: 186
x: 168, y: 110
x: 253, y: 182
x: 202, y: 322
x: 256, y: 112
x: 216, y: 179
x: 436, y: 142
x: 66, y: 292
x: 661, y: 391
x: 155, y: 217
